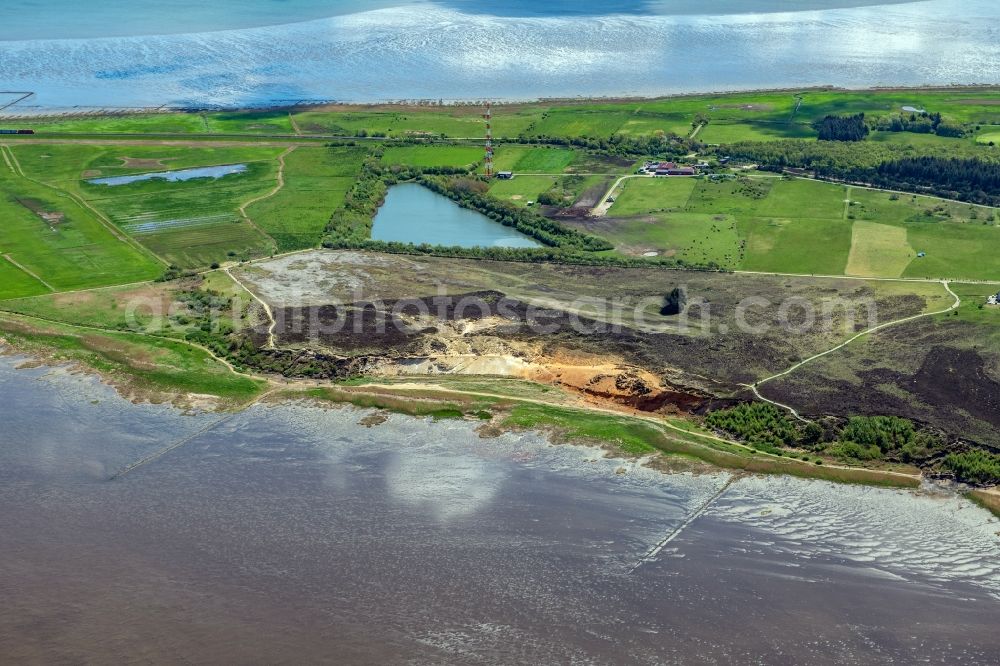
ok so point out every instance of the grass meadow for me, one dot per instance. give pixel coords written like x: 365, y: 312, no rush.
x: 63, y: 243
x: 316, y: 182
x: 804, y: 226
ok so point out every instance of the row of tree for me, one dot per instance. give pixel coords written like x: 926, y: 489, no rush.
x: 861, y: 439
x: 843, y: 128
x: 965, y: 172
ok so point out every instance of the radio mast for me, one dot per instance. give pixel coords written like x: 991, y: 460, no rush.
x: 488, y: 161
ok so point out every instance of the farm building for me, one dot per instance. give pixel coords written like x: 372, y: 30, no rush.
x: 673, y: 169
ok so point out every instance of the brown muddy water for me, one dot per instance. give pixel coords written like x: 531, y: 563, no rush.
x: 291, y: 534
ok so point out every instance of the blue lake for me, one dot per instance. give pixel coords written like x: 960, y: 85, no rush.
x: 180, y: 175
x: 414, y: 214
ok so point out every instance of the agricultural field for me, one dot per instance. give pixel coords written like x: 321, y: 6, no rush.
x: 574, y: 122
x: 733, y: 117
x: 733, y: 131
x: 316, y: 180
x: 433, y: 156
x: 640, y: 196
x: 15, y: 283
x: 60, y: 241
x: 534, y: 160
x: 803, y: 226
x: 695, y: 238
x: 522, y: 189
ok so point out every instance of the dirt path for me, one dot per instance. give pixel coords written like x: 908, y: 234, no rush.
x: 847, y: 203
x: 756, y: 386
x: 271, y: 344
x: 277, y: 188
x: 697, y: 130
x: 29, y: 272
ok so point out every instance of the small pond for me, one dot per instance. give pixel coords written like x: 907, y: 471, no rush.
x: 173, y: 176
x: 414, y: 214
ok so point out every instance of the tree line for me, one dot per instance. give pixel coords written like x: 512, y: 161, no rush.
x: 965, y: 172
x: 860, y: 439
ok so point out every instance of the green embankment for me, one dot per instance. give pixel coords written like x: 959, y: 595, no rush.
x: 145, y: 365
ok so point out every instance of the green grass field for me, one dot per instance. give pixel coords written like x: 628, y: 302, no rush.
x: 460, y: 122
x: 61, y: 241
x: 15, y: 283
x: 143, y: 363
x: 159, y: 123
x: 733, y: 116
x: 991, y: 137
x: 803, y: 226
x: 190, y: 224
x: 522, y: 189
x: 316, y: 181
x: 695, y: 238
x: 639, y: 196
x: 433, y: 156
x: 878, y: 250
x: 806, y: 246
x: 733, y: 131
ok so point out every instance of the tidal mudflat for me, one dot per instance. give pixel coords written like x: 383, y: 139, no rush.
x: 291, y: 533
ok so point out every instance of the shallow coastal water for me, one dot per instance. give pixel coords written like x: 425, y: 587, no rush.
x: 291, y: 533
x: 414, y: 214
x: 280, y: 53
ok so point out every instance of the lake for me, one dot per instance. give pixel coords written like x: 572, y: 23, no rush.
x: 293, y: 534
x: 414, y: 214
x: 257, y: 52
x: 180, y: 175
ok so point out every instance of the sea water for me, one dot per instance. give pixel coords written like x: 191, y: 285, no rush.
x: 292, y: 533
x: 229, y: 53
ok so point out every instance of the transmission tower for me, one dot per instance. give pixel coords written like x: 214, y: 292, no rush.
x: 488, y: 162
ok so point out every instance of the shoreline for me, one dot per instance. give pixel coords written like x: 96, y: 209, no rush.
x: 453, y: 103
x: 616, y: 431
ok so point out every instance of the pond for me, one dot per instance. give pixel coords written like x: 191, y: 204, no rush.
x: 414, y: 214
x: 174, y: 176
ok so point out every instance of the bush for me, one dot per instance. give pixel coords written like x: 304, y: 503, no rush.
x: 975, y: 466
x: 759, y: 424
